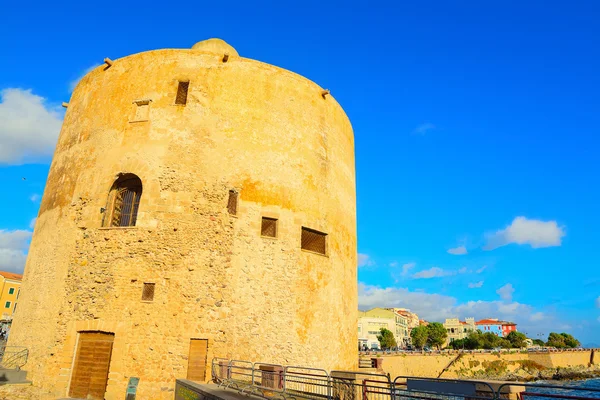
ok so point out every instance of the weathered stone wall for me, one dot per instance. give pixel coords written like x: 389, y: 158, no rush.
x: 248, y: 126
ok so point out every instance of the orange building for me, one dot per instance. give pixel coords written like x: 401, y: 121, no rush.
x: 10, y: 288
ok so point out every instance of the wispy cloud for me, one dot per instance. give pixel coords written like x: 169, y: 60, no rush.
x: 75, y: 81
x: 407, y: 267
x: 458, y: 251
x: 433, y: 272
x: 598, y: 302
x: 32, y: 223
x: 533, y: 232
x: 474, y: 285
x: 35, y: 197
x: 480, y: 270
x: 364, y: 260
x: 29, y: 127
x: 506, y: 292
x: 423, y: 128
x: 437, y: 272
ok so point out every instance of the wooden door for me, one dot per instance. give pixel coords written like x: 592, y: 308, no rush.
x: 197, y: 360
x: 92, y: 362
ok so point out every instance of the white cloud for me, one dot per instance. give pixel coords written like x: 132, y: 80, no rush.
x: 433, y: 272
x: 533, y: 232
x: 598, y: 302
x: 423, y: 128
x: 75, y: 81
x: 480, y: 270
x: 506, y: 292
x: 13, y: 245
x: 28, y: 128
x: 35, y: 197
x: 463, y: 270
x: 458, y: 251
x: 473, y: 285
x: 32, y: 223
x: 364, y: 260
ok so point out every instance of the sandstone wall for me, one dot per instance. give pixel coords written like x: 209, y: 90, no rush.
x: 247, y: 126
x: 480, y: 365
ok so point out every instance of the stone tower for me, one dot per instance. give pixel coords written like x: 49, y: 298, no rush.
x: 199, y: 205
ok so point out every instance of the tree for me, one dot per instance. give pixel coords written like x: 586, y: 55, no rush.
x: 556, y: 340
x: 517, y: 339
x: 570, y: 341
x: 419, y: 336
x: 505, y: 343
x: 436, y: 334
x: 386, y: 339
x: 539, y: 342
x: 490, y: 341
x: 474, y: 340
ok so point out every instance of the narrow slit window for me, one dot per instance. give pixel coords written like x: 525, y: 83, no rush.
x: 314, y: 241
x: 148, y: 292
x: 268, y: 227
x: 232, y: 202
x: 182, y: 93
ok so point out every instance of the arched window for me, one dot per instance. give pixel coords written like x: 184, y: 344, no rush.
x: 124, y: 201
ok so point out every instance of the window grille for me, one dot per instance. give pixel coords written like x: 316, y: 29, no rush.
x: 314, y: 241
x: 148, y: 292
x: 268, y: 227
x: 126, y: 194
x: 182, y: 92
x: 232, y: 202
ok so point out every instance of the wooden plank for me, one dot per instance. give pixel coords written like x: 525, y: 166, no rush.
x: 92, y: 363
x: 197, y: 360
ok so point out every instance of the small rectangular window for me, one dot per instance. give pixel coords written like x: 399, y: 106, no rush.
x: 314, y: 241
x: 7, y: 305
x: 182, y: 92
x: 232, y: 202
x: 11, y: 290
x: 268, y: 227
x: 142, y: 110
x: 148, y: 292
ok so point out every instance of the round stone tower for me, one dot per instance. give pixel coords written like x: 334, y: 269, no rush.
x: 199, y: 205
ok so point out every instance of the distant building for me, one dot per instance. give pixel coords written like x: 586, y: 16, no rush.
x: 406, y: 321
x: 496, y: 326
x: 370, y: 322
x: 458, y: 329
x: 10, y: 289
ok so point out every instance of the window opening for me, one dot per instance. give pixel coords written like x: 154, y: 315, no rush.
x: 11, y: 290
x: 148, y: 292
x: 182, y: 92
x: 232, y: 202
x: 125, y: 201
x: 268, y: 227
x: 314, y: 241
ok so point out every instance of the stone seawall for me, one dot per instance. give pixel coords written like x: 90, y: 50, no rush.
x: 522, y: 366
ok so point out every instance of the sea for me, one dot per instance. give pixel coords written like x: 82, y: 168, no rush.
x: 586, y: 389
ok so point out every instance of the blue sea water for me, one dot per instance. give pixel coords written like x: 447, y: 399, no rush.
x: 589, y: 388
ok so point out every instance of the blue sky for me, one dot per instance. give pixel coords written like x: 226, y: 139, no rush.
x: 477, y: 129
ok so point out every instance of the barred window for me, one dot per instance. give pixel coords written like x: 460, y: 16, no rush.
x: 314, y: 241
x: 232, y: 202
x: 148, y: 292
x: 124, y: 201
x: 268, y: 227
x: 182, y: 93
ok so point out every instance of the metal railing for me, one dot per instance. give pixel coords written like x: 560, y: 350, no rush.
x: 13, y: 357
x: 294, y: 382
